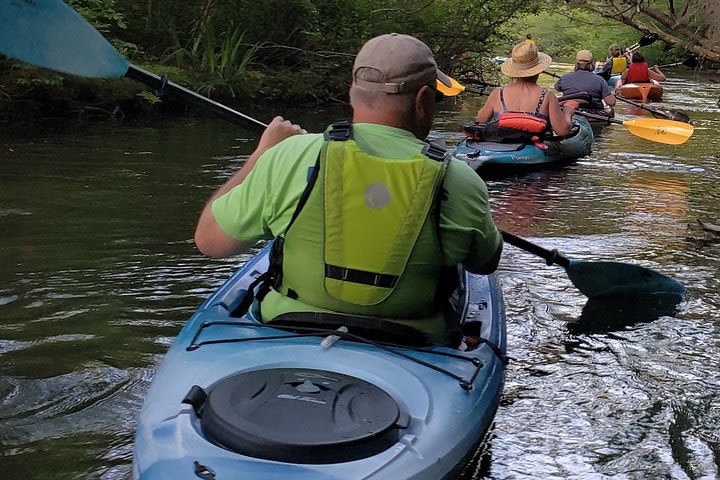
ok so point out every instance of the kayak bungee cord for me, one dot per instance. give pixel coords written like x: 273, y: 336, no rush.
x: 465, y: 383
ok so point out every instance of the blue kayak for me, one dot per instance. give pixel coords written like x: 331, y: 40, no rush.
x: 238, y: 399
x: 501, y: 158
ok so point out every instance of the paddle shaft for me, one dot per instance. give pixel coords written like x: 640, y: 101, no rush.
x: 598, y: 117
x: 550, y: 256
x: 669, y: 114
x: 640, y: 105
x: 690, y: 62
x: 163, y: 86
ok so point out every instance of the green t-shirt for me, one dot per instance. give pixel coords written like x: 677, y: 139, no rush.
x: 262, y: 205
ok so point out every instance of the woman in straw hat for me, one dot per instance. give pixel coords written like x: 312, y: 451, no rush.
x: 524, y: 95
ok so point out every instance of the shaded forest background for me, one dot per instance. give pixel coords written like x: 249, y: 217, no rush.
x: 301, y: 51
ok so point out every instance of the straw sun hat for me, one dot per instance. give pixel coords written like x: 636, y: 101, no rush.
x: 525, y: 61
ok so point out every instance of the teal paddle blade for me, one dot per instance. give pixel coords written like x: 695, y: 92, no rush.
x: 50, y: 34
x: 614, y: 279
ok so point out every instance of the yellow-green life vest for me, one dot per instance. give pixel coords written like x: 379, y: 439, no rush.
x: 361, y: 219
x: 619, y: 65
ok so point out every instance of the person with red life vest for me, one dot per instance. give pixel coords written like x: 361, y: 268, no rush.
x: 640, y: 73
x: 524, y: 105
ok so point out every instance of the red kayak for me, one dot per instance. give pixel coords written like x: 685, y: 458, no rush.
x: 647, y: 92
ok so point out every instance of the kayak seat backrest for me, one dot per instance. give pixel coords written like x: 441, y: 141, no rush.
x: 492, y: 132
x: 580, y: 97
x: 370, y: 328
x: 494, y: 146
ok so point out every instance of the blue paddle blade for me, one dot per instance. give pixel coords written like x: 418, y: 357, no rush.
x: 613, y: 279
x: 50, y: 34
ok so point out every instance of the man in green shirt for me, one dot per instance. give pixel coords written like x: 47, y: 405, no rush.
x: 381, y: 222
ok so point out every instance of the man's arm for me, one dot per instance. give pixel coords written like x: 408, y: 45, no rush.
x: 491, y: 264
x: 469, y: 234
x: 210, y: 238
x: 655, y: 74
x: 607, y: 94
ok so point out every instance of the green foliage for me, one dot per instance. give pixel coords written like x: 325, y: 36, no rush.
x: 149, y: 97
x: 294, y: 50
x: 561, y: 31
x: 101, y: 13
x: 27, y: 76
x: 223, y: 58
x: 105, y: 16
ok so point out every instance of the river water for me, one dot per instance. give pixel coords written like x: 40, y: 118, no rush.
x: 98, y: 272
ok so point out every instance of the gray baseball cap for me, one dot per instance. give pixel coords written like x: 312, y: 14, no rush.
x: 404, y: 64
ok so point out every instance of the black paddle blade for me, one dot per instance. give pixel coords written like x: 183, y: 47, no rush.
x: 600, y: 315
x: 614, y: 279
x: 691, y: 62
x: 669, y: 114
x: 648, y: 39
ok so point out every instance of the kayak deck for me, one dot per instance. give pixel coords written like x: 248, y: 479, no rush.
x: 494, y: 158
x: 449, y: 397
x: 645, y: 92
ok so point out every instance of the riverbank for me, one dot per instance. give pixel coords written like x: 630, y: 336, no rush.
x: 30, y: 96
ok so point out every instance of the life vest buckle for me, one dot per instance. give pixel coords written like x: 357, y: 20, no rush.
x: 339, y: 131
x: 434, y: 152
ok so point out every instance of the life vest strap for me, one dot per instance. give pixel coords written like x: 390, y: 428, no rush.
x: 361, y: 276
x: 339, y: 131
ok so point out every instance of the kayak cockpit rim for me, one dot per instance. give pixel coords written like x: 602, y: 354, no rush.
x: 466, y: 383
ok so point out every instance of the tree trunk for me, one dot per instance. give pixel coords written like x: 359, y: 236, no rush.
x: 670, y: 29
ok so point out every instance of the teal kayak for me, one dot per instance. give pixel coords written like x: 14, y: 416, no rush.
x: 503, y: 158
x: 321, y: 399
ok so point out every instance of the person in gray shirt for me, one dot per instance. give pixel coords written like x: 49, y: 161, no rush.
x: 584, y: 80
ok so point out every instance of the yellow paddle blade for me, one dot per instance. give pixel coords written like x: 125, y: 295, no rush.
x: 452, y: 90
x: 660, y: 130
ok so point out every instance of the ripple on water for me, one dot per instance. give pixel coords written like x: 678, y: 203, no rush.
x: 92, y: 400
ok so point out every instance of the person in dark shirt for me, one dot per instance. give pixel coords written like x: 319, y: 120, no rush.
x: 584, y: 80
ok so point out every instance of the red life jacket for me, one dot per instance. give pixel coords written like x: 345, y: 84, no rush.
x: 637, y: 73
x: 525, y: 122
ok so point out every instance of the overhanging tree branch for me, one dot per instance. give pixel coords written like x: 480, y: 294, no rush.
x: 699, y: 45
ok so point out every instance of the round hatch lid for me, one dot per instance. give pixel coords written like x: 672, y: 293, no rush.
x: 301, y: 416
